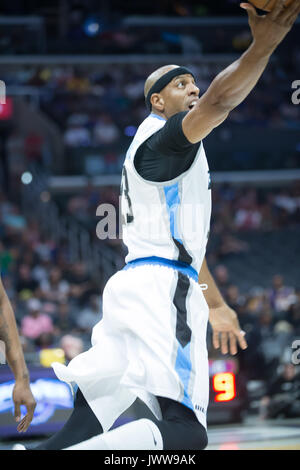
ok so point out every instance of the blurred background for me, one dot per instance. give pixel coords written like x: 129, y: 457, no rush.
x: 74, y: 73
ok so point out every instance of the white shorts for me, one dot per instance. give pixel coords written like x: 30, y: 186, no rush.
x: 150, y: 342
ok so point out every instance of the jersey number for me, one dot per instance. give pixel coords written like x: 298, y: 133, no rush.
x: 127, y: 218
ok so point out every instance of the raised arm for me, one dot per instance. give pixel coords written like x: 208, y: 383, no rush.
x: 235, y: 83
x: 9, y: 335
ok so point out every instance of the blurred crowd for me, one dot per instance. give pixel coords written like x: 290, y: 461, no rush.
x: 98, y: 108
x: 242, y: 209
x: 89, y: 27
x: 271, y: 319
x: 74, y: 95
x: 56, y: 302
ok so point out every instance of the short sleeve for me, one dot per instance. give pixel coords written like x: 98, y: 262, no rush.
x: 167, y: 153
x: 171, y: 139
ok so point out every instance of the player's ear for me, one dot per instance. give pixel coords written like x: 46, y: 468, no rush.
x: 157, y: 101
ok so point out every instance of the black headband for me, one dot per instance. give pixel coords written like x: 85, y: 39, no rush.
x: 164, y: 80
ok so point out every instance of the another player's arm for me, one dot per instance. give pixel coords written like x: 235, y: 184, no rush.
x: 234, y: 83
x: 224, y: 322
x: 14, y: 354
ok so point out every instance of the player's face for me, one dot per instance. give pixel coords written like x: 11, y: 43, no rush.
x: 181, y: 94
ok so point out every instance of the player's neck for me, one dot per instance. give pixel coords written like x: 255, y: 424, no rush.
x: 157, y: 113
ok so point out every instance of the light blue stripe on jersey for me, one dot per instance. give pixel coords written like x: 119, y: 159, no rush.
x: 183, y: 368
x: 157, y: 116
x: 173, y: 202
x: 156, y: 260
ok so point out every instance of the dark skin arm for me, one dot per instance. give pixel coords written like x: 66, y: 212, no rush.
x: 227, y: 91
x: 22, y: 394
x: 233, y: 85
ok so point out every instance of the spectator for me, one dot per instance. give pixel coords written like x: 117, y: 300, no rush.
x: 234, y: 299
x: 247, y: 217
x: 55, y: 289
x: 90, y: 315
x: 80, y: 283
x: 36, y: 322
x: 231, y: 245
x: 281, y: 296
x: 45, y: 341
x: 72, y: 346
x: 293, y: 316
x: 26, y: 286
x: 283, y: 396
x: 222, y: 278
x: 64, y: 322
x: 77, y: 133
x: 105, y: 131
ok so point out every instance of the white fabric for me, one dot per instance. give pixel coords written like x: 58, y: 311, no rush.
x: 150, y: 233
x: 142, y: 434
x: 135, y: 352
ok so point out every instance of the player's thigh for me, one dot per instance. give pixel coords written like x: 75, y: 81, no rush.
x: 180, y: 427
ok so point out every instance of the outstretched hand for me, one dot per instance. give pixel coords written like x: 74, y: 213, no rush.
x: 270, y: 29
x: 227, y: 332
x: 22, y: 395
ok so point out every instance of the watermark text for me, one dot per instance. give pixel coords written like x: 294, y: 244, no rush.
x: 296, y: 94
x: 2, y: 92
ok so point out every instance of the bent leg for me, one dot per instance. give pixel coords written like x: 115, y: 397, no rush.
x: 137, y: 435
x: 178, y: 430
x: 81, y: 425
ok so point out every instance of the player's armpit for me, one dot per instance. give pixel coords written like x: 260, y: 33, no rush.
x: 203, y: 118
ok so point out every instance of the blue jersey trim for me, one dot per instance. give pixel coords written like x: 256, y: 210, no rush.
x: 173, y: 203
x: 158, y: 117
x: 156, y: 260
x: 183, y: 368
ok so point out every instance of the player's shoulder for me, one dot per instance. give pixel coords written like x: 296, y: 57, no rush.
x: 147, y: 128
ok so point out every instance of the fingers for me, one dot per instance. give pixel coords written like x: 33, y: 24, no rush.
x: 216, y: 342
x: 232, y: 344
x: 241, y: 340
x: 240, y: 337
x: 291, y: 12
x: 232, y: 339
x: 224, y: 343
x: 279, y: 7
x: 17, y: 414
x: 24, y: 423
x: 286, y: 15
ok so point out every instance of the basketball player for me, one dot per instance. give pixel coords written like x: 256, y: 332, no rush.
x: 13, y: 351
x: 151, y: 342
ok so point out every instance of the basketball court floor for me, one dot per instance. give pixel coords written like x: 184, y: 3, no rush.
x: 253, y: 434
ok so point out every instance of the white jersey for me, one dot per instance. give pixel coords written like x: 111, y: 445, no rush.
x: 165, y: 219
x: 152, y: 339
